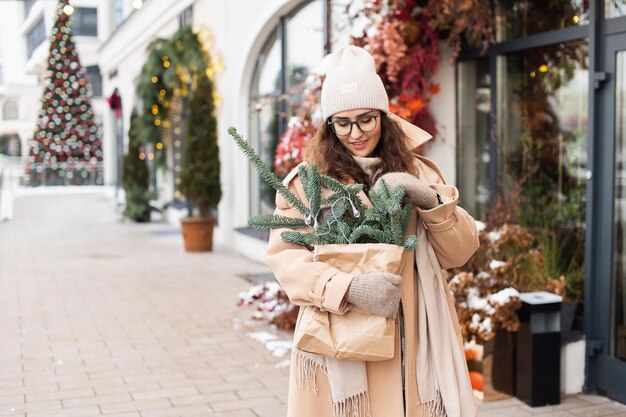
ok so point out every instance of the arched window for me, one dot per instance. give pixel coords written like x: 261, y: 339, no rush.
x: 294, y: 47
x: 9, y: 110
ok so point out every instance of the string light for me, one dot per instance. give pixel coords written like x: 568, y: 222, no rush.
x: 137, y: 4
x: 68, y: 9
x: 543, y: 68
x: 159, y: 146
x: 155, y: 79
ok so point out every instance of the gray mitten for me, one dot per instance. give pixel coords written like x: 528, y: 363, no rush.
x: 376, y: 292
x: 416, y: 191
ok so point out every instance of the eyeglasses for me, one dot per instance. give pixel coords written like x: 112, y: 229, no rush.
x: 343, y: 127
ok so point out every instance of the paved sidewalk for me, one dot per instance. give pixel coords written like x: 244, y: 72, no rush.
x: 100, y: 317
x: 104, y: 318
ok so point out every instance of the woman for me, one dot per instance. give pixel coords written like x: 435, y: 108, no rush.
x: 360, y: 142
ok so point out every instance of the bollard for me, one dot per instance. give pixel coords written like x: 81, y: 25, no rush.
x: 538, y: 349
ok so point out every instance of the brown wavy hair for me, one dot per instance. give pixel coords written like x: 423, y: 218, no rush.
x: 333, y: 159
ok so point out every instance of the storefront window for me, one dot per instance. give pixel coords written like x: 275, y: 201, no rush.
x: 474, y: 106
x: 304, y: 42
x: 542, y: 127
x: 276, y: 87
x: 614, y: 8
x: 518, y: 18
x: 264, y: 119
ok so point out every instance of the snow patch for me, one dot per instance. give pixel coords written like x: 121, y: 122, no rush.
x: 504, y: 296
x: 494, y: 236
x: 278, y: 348
x: 494, y: 264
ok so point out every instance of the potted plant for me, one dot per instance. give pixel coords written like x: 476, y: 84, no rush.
x: 200, y: 172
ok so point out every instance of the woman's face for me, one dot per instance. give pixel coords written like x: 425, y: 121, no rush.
x: 360, y: 139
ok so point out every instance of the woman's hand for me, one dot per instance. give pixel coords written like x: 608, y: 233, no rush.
x: 376, y: 292
x: 416, y: 191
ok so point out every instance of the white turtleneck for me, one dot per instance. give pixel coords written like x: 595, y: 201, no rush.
x: 367, y: 164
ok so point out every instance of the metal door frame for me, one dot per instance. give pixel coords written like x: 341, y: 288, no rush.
x: 604, y: 373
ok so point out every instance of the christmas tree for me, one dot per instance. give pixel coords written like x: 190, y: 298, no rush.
x: 66, y: 145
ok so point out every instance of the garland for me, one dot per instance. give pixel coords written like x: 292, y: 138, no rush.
x: 169, y: 71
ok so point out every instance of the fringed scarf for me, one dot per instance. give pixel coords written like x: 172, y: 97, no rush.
x: 347, y: 380
x: 442, y: 378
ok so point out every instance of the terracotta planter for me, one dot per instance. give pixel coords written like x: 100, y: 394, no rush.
x: 198, y: 233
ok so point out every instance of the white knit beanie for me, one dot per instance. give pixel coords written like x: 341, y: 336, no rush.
x: 351, y: 82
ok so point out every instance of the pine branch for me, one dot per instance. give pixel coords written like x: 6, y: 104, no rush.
x: 406, y: 215
x: 313, y: 189
x: 299, y: 238
x: 410, y: 242
x: 273, y: 221
x: 337, y: 211
x: 333, y: 184
x: 330, y: 200
x: 347, y: 221
x: 384, y: 190
x: 344, y: 231
x: 266, y: 172
x: 395, y: 229
x: 302, y: 173
x: 365, y: 230
x: 398, y: 194
x: 376, y: 200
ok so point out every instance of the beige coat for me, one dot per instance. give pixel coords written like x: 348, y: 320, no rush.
x: 453, y: 235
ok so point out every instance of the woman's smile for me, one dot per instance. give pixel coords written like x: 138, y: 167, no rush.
x: 359, y: 144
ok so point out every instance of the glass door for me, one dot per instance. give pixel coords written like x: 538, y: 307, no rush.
x: 610, y: 298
